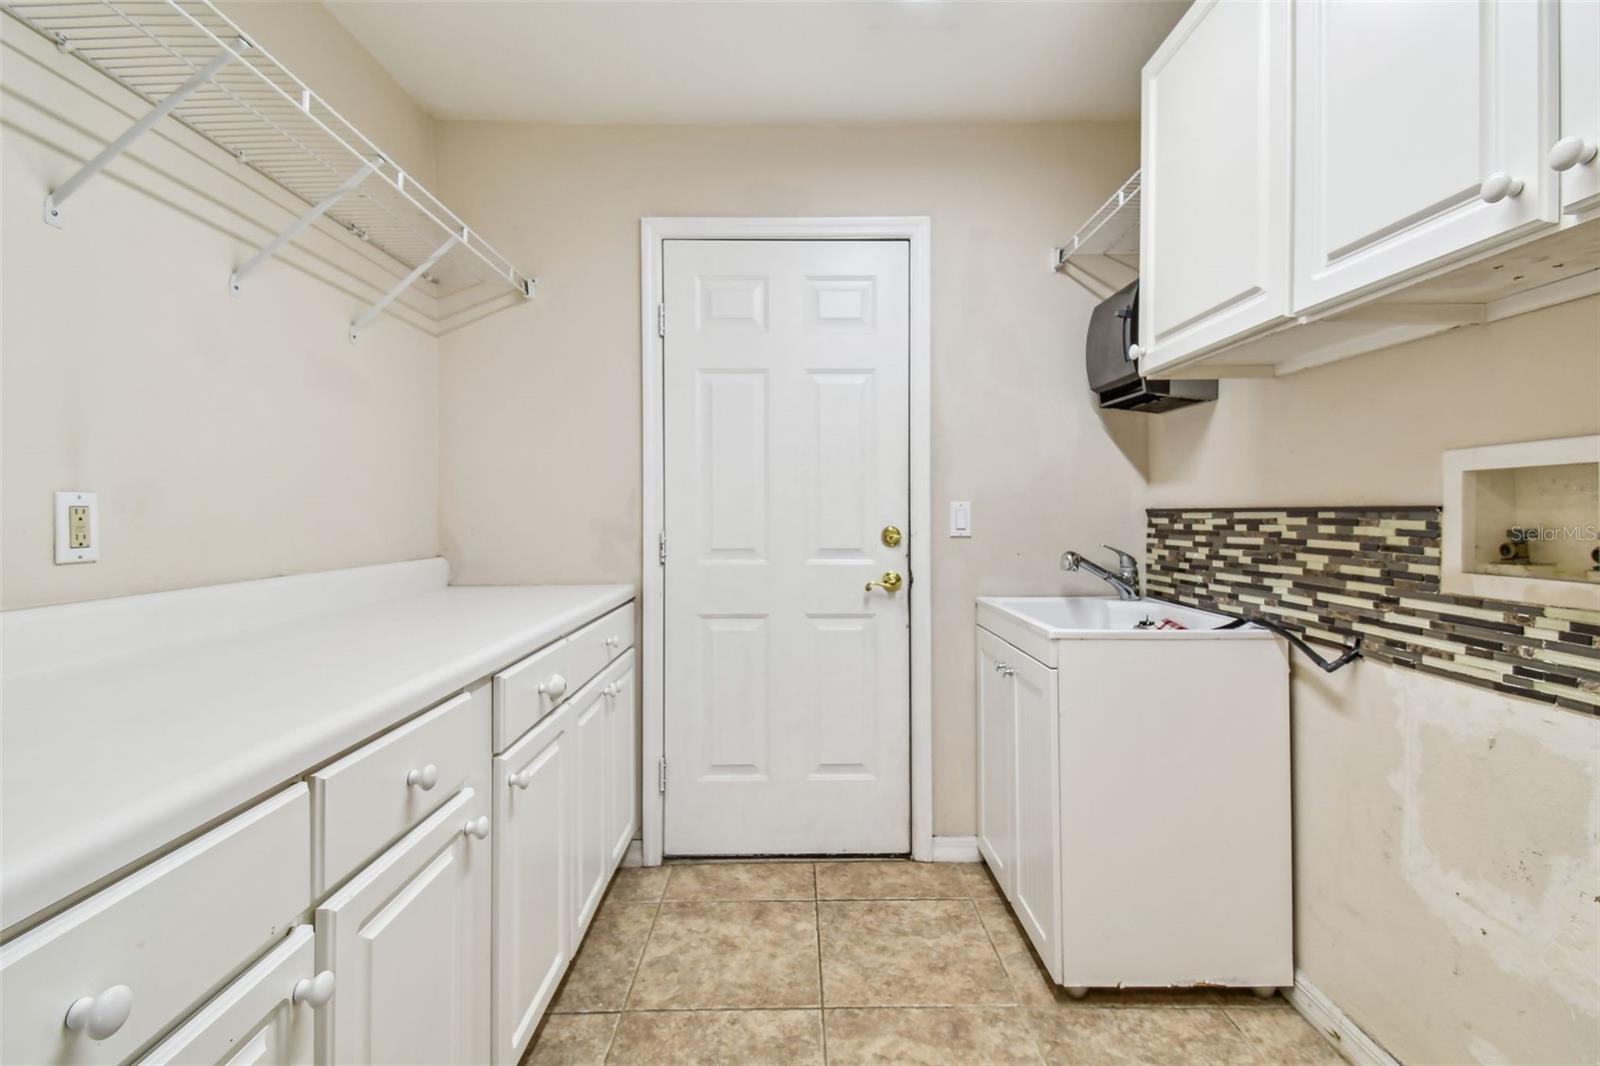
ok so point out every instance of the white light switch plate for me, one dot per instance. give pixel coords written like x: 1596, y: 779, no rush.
x: 960, y: 518
x: 77, y: 527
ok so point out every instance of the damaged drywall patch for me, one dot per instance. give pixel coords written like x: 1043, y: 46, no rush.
x: 1479, y: 847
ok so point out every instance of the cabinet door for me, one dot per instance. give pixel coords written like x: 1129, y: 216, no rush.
x: 255, y: 1020
x: 1036, y: 896
x: 622, y: 764
x: 408, y: 940
x: 996, y: 758
x: 591, y: 844
x: 532, y: 880
x: 1404, y: 111
x: 1580, y: 102
x: 1214, y: 202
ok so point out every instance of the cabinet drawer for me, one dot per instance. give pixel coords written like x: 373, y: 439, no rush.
x: 531, y: 689
x: 255, y: 1019
x: 373, y: 795
x: 598, y: 644
x: 158, y: 940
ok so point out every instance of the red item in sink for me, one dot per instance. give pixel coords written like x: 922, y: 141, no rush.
x: 1167, y: 623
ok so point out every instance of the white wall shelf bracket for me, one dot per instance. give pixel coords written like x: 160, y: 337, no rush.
x: 405, y: 283
x: 299, y: 225
x: 58, y: 196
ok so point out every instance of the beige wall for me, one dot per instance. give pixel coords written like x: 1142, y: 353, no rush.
x: 227, y: 438
x: 540, y: 460
x: 317, y: 49
x: 1447, y: 838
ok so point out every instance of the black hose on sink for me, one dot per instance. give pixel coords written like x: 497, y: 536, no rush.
x: 1350, y: 654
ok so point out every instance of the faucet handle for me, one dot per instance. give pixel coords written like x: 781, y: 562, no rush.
x: 1128, y: 563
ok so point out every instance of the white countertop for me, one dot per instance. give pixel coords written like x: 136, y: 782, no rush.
x: 103, y: 762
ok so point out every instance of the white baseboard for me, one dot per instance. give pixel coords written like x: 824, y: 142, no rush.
x: 1348, y: 1038
x: 955, y: 849
x: 634, y: 856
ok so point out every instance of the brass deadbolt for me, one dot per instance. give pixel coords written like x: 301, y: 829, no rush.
x: 891, y: 536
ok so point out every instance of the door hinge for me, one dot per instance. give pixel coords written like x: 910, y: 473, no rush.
x: 661, y: 548
x: 661, y: 779
x: 661, y: 320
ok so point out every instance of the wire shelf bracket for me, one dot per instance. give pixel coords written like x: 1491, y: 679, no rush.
x: 187, y: 59
x: 58, y: 196
x: 236, y: 279
x: 405, y: 283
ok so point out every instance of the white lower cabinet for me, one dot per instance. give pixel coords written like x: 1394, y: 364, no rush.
x: 1036, y: 881
x: 567, y: 793
x: 1141, y: 841
x: 591, y: 846
x: 408, y: 941
x: 1019, y: 804
x: 997, y: 738
x: 622, y: 760
x: 533, y: 879
x: 265, y: 1018
x: 97, y: 982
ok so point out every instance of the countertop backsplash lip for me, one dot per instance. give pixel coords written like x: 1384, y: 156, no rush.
x: 1333, y: 573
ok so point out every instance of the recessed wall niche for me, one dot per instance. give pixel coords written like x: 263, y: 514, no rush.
x: 1522, y: 522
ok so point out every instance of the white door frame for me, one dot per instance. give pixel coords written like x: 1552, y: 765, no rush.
x: 918, y: 231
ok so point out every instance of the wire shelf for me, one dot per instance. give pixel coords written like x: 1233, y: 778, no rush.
x: 1104, y: 253
x: 253, y: 108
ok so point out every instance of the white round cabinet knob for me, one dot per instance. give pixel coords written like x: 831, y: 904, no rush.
x: 612, y: 642
x: 1568, y: 152
x: 1498, y: 186
x: 522, y: 780
x: 99, y: 1017
x: 314, y: 992
x: 477, y: 827
x: 424, y: 778
x: 555, y: 688
x: 1135, y: 351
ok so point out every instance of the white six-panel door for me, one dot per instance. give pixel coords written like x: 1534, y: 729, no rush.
x: 787, y: 696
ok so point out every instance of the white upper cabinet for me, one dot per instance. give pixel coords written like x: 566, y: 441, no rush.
x: 1421, y: 135
x: 1574, y: 154
x: 1214, y: 255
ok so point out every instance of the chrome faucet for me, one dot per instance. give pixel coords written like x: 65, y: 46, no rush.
x: 1125, y: 580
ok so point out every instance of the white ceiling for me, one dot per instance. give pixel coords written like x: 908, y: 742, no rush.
x: 667, y: 61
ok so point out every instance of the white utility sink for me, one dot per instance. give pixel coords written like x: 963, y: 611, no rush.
x: 1035, y: 623
x: 1133, y: 790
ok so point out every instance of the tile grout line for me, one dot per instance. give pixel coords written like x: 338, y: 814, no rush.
x: 1023, y: 1011
x: 637, y: 966
x: 822, y: 994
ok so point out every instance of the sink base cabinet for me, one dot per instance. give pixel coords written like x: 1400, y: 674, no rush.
x: 1139, y: 818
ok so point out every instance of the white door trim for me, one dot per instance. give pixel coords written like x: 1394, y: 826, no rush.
x: 918, y: 231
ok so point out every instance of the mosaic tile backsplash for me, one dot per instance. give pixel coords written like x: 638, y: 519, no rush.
x: 1332, y: 574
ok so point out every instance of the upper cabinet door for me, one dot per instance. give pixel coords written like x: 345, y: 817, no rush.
x: 1580, y: 107
x: 1214, y: 224
x: 1421, y: 129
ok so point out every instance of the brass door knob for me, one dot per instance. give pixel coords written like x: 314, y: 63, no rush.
x: 889, y: 582
x: 890, y: 536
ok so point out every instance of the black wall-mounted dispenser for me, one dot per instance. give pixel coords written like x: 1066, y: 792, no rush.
x: 1114, y: 375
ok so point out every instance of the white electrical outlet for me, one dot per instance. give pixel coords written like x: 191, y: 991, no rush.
x: 77, y: 527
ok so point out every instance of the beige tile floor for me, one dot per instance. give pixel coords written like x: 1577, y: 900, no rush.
x: 865, y: 962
